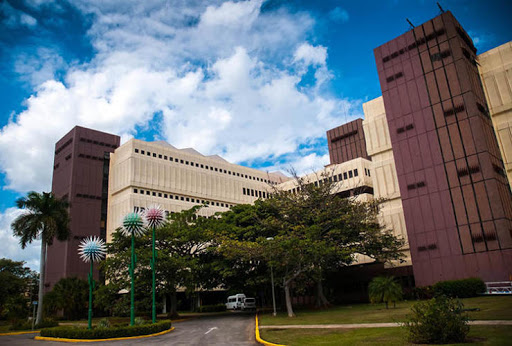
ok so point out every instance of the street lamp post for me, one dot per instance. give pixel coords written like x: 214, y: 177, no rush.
x: 273, y: 290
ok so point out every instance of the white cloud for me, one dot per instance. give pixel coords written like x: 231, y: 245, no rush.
x: 39, y: 67
x: 14, y: 18
x: 224, y: 79
x: 311, y: 55
x: 10, y: 245
x: 28, y: 20
x: 339, y: 14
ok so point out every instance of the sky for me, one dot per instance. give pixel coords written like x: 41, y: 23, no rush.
x: 257, y: 82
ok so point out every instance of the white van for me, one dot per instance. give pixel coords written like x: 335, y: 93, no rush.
x: 235, y: 302
x: 249, y: 304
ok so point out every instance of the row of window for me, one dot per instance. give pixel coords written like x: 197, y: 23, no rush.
x: 395, y: 76
x: 427, y: 247
x: 499, y: 170
x: 343, y: 136
x: 404, y: 128
x: 81, y: 195
x: 91, y: 157
x: 441, y: 55
x: 255, y: 193
x: 200, y: 165
x: 418, y: 43
x: 68, y: 142
x: 416, y: 186
x: 483, y: 109
x: 335, y: 178
x: 467, y: 171
x: 182, y: 198
x: 452, y: 111
x: 103, y: 144
x: 478, y: 238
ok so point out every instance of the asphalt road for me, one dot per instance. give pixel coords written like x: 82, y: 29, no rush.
x: 234, y: 329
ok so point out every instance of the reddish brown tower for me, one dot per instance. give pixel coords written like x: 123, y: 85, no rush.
x: 346, y: 142
x: 80, y: 174
x: 456, y: 199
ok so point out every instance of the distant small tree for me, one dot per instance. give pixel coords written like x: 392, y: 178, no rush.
x: 16, y: 282
x: 69, y: 295
x: 384, y: 289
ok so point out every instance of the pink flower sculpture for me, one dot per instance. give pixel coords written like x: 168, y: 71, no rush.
x: 154, y: 216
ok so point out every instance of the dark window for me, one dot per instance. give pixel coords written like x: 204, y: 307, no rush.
x: 154, y: 193
x: 409, y: 127
x: 176, y: 160
x: 400, y: 130
x: 345, y: 175
x: 135, y: 190
x: 142, y: 152
x: 149, y: 154
x: 159, y: 194
x: 142, y: 191
x: 165, y: 195
x: 159, y: 156
x: 335, y: 178
x: 187, y: 199
x: 154, y: 154
x: 202, y: 166
x: 420, y: 184
x: 350, y: 174
x: 136, y: 150
x: 243, y: 190
x: 165, y: 157
x: 181, y: 161
x: 186, y: 162
x: 216, y: 170
x: 182, y: 198
x: 355, y: 173
x: 148, y: 193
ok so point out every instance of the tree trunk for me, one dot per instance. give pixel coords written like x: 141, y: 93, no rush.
x: 42, y: 268
x: 289, y: 307
x: 173, y: 311
x: 321, y: 300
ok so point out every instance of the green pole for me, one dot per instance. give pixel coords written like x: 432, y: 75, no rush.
x: 153, y: 265
x: 91, y: 283
x: 132, y: 293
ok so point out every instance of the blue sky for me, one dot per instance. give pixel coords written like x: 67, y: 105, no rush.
x: 258, y: 82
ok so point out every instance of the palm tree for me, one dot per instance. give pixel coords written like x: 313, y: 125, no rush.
x: 384, y: 289
x: 46, y: 218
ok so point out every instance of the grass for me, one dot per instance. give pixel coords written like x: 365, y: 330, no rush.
x: 491, y: 308
x: 478, y: 335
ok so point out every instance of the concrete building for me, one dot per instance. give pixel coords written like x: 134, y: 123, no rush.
x: 346, y: 142
x: 147, y: 173
x: 80, y: 175
x: 385, y: 180
x: 495, y: 67
x: 455, y: 195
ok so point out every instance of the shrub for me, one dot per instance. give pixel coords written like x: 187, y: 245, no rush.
x: 138, y: 321
x: 104, y: 323
x: 27, y: 325
x: 212, y: 308
x: 464, y: 288
x: 105, y: 333
x: 384, y: 289
x: 437, y: 321
x: 420, y: 293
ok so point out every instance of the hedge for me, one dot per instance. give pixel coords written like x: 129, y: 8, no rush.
x: 465, y: 288
x: 24, y: 325
x: 212, y: 308
x: 105, y: 333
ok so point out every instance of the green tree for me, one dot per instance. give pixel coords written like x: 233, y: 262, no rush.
x: 71, y: 296
x: 181, y: 243
x: 384, y: 289
x: 15, y: 287
x: 312, y: 230
x: 46, y: 217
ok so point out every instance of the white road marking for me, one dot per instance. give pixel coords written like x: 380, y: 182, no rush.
x: 209, y: 330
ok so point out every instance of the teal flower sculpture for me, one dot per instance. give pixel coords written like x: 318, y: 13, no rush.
x: 92, y: 250
x: 154, y: 216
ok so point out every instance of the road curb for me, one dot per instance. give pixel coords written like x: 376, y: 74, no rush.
x: 19, y: 333
x: 259, y: 339
x: 45, y: 338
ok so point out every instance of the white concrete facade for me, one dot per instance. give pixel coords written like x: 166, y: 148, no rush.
x: 146, y: 173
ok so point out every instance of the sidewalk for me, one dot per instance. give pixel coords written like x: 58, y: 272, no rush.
x: 376, y: 325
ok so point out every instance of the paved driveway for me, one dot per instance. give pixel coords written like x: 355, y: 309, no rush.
x: 234, y: 329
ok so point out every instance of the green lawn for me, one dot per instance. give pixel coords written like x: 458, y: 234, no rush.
x: 491, y: 308
x: 478, y: 335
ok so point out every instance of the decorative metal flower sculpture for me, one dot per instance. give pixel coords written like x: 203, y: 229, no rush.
x: 154, y: 216
x: 133, y: 225
x: 92, y: 250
